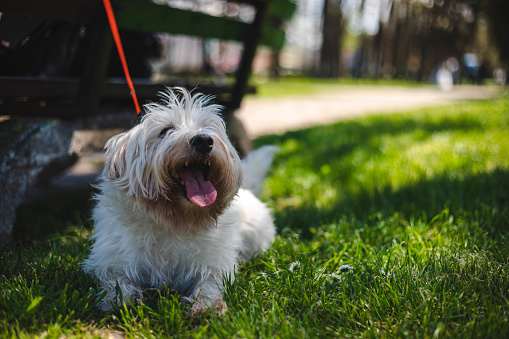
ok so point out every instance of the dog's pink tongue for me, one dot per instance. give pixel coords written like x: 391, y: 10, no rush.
x: 201, y: 192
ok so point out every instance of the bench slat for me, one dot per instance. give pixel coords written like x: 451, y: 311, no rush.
x: 64, y: 87
x: 132, y: 15
x: 82, y: 11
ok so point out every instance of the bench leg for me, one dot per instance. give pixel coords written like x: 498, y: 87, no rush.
x: 236, y: 130
x: 248, y: 54
x: 94, y: 70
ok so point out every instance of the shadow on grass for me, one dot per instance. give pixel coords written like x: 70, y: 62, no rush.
x: 38, y: 219
x: 337, y: 140
x: 465, y: 194
x: 474, y: 195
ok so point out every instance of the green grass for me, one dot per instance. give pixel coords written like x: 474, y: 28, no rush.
x: 415, y: 204
x: 298, y: 86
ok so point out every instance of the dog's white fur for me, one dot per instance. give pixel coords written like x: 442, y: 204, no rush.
x: 147, y: 233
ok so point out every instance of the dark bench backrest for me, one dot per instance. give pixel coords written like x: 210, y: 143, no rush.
x: 138, y: 16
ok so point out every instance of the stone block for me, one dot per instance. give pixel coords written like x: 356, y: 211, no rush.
x: 27, y: 147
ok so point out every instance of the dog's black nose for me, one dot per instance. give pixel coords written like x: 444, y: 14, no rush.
x: 202, y: 143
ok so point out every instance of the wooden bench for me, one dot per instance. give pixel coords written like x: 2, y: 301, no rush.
x: 71, y: 98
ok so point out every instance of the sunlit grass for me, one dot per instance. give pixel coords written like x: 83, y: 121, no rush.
x: 388, y: 226
x: 297, y: 85
x: 339, y: 164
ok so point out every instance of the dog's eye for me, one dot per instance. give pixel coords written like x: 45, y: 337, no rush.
x: 165, y: 131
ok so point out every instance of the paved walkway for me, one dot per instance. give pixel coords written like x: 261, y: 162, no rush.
x: 267, y: 116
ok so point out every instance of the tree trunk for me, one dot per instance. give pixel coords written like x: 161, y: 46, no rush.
x: 330, y: 53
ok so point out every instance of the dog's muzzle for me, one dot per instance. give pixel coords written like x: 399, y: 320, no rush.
x: 194, y: 174
x: 202, y: 143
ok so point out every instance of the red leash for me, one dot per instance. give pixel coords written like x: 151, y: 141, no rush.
x: 120, y: 49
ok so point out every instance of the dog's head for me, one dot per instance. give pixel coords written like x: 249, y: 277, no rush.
x: 178, y: 163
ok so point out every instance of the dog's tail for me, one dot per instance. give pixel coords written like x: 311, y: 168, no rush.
x: 255, y: 167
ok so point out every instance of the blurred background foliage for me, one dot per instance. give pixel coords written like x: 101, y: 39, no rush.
x: 391, y: 39
x: 402, y: 39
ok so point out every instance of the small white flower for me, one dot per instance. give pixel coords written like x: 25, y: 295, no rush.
x: 384, y: 275
x: 335, y: 276
x: 293, y: 265
x: 345, y: 268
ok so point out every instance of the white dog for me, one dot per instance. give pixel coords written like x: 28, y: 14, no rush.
x: 172, y: 208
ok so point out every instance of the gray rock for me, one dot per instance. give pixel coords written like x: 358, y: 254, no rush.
x: 27, y: 147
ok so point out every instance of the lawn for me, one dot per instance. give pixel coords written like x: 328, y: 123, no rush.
x: 388, y: 226
x: 298, y: 86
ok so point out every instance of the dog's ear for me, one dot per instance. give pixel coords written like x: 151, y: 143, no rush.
x: 115, y: 165
x: 128, y: 169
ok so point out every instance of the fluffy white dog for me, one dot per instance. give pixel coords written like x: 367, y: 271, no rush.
x: 172, y: 208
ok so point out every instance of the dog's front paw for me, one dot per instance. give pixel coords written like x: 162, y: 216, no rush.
x: 200, y: 307
x: 120, y: 293
x: 220, y: 306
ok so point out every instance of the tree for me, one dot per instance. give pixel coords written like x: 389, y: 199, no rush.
x: 497, y: 12
x: 330, y: 53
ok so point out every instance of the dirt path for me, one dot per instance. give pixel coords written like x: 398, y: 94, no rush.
x: 267, y: 116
